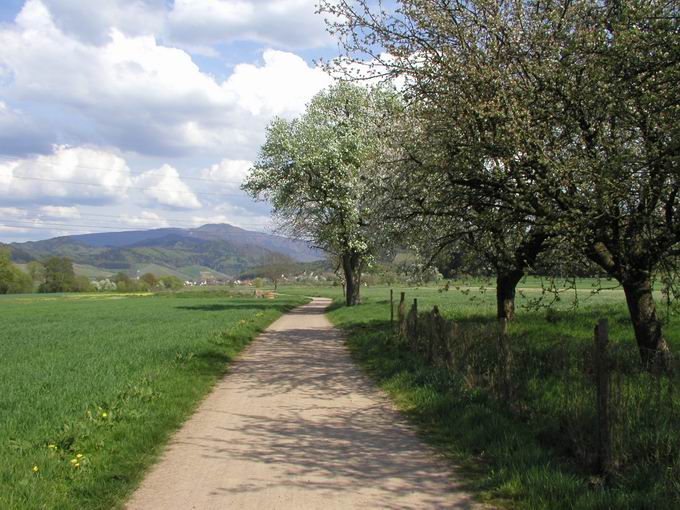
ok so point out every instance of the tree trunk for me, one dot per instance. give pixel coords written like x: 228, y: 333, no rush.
x: 647, y: 326
x: 351, y: 265
x: 506, y: 283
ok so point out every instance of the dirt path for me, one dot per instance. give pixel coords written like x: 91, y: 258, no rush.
x: 295, y: 425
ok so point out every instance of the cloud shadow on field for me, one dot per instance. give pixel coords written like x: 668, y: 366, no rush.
x: 218, y: 307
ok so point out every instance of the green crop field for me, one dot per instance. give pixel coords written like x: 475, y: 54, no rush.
x: 536, y: 455
x: 93, y: 385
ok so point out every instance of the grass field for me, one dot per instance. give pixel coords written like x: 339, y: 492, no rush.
x: 93, y: 385
x: 520, y: 461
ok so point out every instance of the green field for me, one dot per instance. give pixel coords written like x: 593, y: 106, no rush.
x: 528, y: 458
x: 93, y: 385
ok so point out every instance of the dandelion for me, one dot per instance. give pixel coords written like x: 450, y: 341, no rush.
x: 74, y: 461
x: 105, y: 414
x: 76, y: 465
x: 79, y: 456
x: 52, y: 446
x: 36, y: 469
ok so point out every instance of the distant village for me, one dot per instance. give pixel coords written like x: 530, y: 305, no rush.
x: 207, y: 279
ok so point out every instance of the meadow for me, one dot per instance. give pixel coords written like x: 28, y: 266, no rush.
x: 538, y: 453
x: 93, y: 385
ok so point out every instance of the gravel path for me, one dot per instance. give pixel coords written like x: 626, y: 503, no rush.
x: 295, y: 425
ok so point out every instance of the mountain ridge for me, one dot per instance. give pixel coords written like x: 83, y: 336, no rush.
x: 221, y: 247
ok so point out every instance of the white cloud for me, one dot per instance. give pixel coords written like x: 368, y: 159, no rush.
x: 6, y: 229
x: 68, y: 175
x: 91, y: 21
x: 195, y: 23
x: 286, y: 23
x: 164, y: 186
x: 136, y: 94
x: 145, y: 219
x: 228, y: 173
x: 283, y: 86
x: 53, y: 211
x: 236, y: 215
x: 12, y: 212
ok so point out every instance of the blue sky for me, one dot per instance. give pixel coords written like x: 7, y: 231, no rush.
x: 117, y: 114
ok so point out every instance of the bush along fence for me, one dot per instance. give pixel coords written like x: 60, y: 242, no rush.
x: 594, y: 402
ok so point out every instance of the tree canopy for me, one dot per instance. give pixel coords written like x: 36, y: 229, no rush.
x: 563, y: 114
x: 314, y: 170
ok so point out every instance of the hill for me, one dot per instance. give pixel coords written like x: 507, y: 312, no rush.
x: 219, y: 248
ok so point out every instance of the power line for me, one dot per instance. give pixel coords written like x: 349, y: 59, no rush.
x: 129, y: 187
x: 45, y: 225
x: 59, y: 229
x: 168, y: 220
x: 138, y: 174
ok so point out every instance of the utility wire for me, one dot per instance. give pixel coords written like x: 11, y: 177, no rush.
x: 118, y: 217
x: 138, y: 174
x: 130, y: 187
x: 76, y: 227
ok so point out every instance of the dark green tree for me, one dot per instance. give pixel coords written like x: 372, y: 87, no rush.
x: 12, y: 279
x: 59, y: 275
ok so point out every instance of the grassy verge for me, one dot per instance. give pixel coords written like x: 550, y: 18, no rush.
x: 517, y: 463
x: 93, y: 386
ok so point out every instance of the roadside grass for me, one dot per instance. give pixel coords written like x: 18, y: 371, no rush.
x: 510, y: 461
x: 94, y: 385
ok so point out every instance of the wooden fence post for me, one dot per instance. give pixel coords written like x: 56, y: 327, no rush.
x: 604, y: 446
x: 392, y: 309
x: 436, y: 335
x: 402, y: 316
x: 415, y: 320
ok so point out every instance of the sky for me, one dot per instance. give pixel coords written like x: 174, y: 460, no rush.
x: 137, y: 114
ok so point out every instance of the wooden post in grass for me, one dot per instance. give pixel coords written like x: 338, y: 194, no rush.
x: 402, y: 316
x: 392, y: 309
x: 604, y: 446
x: 415, y: 321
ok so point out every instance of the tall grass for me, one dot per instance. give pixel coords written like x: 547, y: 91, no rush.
x: 536, y: 449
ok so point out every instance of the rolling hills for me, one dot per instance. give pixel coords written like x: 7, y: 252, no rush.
x: 221, y: 249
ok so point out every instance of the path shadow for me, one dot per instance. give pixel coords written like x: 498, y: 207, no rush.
x: 346, y: 451
x: 334, y: 434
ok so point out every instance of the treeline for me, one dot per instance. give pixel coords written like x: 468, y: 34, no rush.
x: 56, y: 274
x: 521, y: 135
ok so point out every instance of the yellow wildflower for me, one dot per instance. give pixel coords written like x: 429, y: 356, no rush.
x: 36, y: 469
x: 104, y: 415
x: 74, y: 461
x: 52, y: 446
x: 79, y: 456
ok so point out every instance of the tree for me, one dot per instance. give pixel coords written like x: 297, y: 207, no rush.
x: 36, y: 270
x: 274, y: 266
x: 570, y: 107
x: 104, y: 285
x: 82, y: 284
x: 422, y: 206
x: 314, y: 170
x: 171, y: 282
x: 59, y: 275
x: 12, y: 279
x: 149, y: 279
